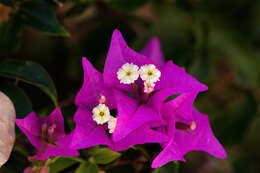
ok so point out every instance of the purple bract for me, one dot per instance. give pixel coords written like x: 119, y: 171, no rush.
x: 47, y: 135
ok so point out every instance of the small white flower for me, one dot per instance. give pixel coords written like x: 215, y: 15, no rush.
x: 149, y: 73
x: 101, y: 114
x: 128, y: 73
x: 148, y: 87
x: 112, y: 124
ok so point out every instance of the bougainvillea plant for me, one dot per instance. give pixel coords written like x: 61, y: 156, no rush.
x: 127, y: 105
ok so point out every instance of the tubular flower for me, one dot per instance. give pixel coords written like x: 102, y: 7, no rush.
x: 47, y: 135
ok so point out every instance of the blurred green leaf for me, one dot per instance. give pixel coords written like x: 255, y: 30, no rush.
x: 174, y: 31
x: 31, y: 73
x: 232, y: 121
x: 41, y: 16
x: 9, y: 34
x: 87, y: 167
x: 241, y: 57
x: 126, y: 4
x: 79, y: 7
x: 252, y: 141
x: 104, y: 155
x: 22, y: 103
x: 172, y: 167
x: 202, y: 69
x: 61, y: 163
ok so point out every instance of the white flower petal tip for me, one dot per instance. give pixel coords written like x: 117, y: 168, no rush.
x: 112, y: 124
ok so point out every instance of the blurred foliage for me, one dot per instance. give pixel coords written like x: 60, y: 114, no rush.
x: 218, y: 41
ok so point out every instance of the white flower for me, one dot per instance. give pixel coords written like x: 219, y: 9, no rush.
x: 149, y: 73
x: 101, y: 114
x: 128, y: 73
x: 112, y: 124
x: 148, y: 87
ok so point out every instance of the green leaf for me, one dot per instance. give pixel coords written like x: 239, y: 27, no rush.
x: 41, y: 16
x: 241, y: 57
x: 235, y: 119
x: 87, y: 168
x: 61, y: 163
x: 31, y: 73
x: 171, y: 97
x: 9, y: 34
x: 104, y: 155
x: 22, y: 103
x: 172, y: 167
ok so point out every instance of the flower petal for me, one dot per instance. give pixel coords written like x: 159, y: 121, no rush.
x: 170, y: 152
x: 202, y: 138
x: 181, y: 105
x: 53, y: 150
x: 92, y: 88
x: 131, y: 117
x: 159, y: 97
x: 31, y: 127
x: 153, y: 50
x: 87, y: 133
x: 126, y: 108
x: 56, y: 118
x: 141, y: 135
x: 175, y: 77
x: 119, y: 53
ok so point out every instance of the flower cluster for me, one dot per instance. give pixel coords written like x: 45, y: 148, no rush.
x: 135, y: 86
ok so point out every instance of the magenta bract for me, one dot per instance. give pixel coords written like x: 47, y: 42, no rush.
x: 141, y: 114
x: 47, y: 134
x: 88, y: 133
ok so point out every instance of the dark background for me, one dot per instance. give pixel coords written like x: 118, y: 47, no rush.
x: 217, y: 41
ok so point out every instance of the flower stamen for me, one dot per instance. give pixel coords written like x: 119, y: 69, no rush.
x: 183, y: 126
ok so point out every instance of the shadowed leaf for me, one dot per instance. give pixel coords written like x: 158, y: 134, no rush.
x: 31, y: 73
